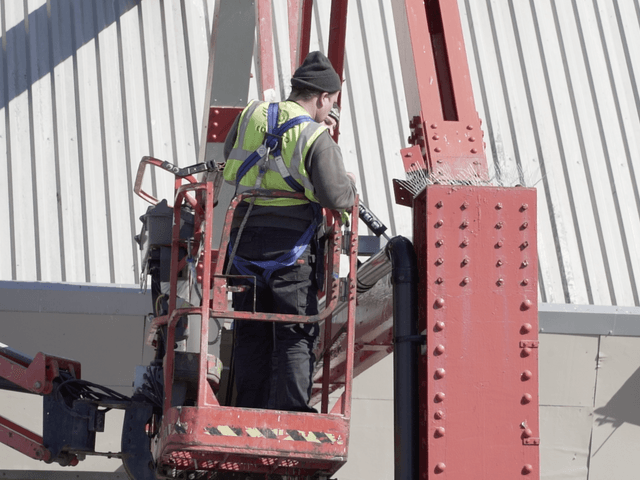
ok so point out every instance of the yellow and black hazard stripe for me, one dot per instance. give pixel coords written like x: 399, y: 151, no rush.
x: 275, y: 434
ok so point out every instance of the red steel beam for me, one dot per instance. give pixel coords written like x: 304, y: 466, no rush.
x: 305, y: 30
x: 294, y: 8
x: 265, y: 36
x: 477, y: 258
x: 444, y: 121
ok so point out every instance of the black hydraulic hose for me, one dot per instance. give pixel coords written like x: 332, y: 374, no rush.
x: 404, y: 276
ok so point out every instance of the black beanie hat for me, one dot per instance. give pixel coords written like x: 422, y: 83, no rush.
x: 316, y: 73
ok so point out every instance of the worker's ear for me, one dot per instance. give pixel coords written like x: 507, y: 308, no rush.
x: 321, y: 99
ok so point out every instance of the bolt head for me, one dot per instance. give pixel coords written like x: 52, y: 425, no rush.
x: 526, y: 375
x: 440, y: 373
x: 439, y: 350
x: 439, y: 432
x: 526, y: 328
x: 440, y: 467
x: 439, y: 397
x: 439, y: 303
x: 526, y: 398
x: 527, y: 469
x: 439, y: 326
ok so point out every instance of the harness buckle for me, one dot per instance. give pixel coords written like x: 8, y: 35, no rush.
x: 273, y: 141
x: 262, y: 150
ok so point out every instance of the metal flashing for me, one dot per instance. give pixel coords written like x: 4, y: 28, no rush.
x: 572, y: 319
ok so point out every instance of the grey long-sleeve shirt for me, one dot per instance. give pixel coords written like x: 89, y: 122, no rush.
x: 332, y: 187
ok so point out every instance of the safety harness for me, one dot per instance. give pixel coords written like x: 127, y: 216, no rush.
x: 273, y: 144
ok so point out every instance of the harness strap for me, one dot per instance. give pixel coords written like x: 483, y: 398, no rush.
x: 284, y: 260
x: 273, y: 143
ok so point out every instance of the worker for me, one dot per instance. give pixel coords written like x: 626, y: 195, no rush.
x: 283, y: 146
x: 333, y: 118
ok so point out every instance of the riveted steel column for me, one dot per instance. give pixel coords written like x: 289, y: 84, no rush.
x: 476, y: 249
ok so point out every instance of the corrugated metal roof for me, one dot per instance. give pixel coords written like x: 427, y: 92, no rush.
x: 89, y: 87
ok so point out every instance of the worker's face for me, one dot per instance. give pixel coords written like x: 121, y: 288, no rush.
x: 324, y: 103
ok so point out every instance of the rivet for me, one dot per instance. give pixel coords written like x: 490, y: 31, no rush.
x: 439, y: 397
x: 214, y: 137
x: 472, y: 139
x: 436, y: 137
x: 408, y: 154
x: 525, y: 244
x: 524, y: 206
x: 215, y: 124
x: 466, y: 280
x: 526, y: 398
x: 37, y: 385
x: 437, y: 149
x: 526, y: 351
x: 476, y: 162
x: 439, y: 261
x: 439, y: 302
x: 439, y: 326
x: 439, y: 223
x: 499, y: 206
x: 465, y: 242
x: 440, y: 373
x: 216, y: 112
x: 525, y: 281
x: 524, y: 225
x: 526, y: 328
x: 439, y: 204
x: 439, y: 280
x: 465, y: 261
x: 526, y: 375
x: 525, y: 264
x: 440, y: 467
x: 474, y: 150
x: 464, y: 224
x: 527, y: 304
x: 434, y: 125
x: 499, y: 244
x: 465, y: 204
x: 499, y: 225
x: 439, y: 350
x: 469, y: 127
x: 499, y: 263
x: 439, y: 415
x: 439, y: 432
x: 439, y: 161
x: 500, y: 282
x: 439, y: 243
x: 527, y: 469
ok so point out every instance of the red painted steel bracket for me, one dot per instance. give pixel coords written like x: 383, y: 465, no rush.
x: 220, y: 121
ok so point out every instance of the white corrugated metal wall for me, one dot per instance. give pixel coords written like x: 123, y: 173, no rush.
x: 86, y: 89
x: 89, y: 87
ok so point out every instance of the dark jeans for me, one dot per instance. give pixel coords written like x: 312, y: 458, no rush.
x: 274, y: 361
